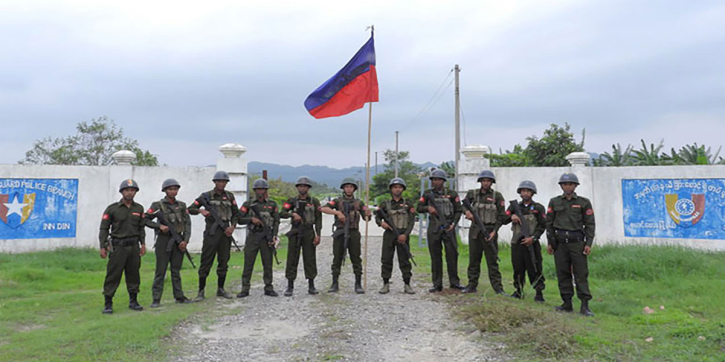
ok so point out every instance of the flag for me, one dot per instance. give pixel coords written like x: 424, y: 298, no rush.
x: 349, y: 89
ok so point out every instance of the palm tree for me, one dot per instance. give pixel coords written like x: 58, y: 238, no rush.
x: 617, y: 158
x: 648, y: 156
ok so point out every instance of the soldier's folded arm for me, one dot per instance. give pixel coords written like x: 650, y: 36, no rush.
x: 195, y: 206
x: 244, y: 217
x: 318, y: 217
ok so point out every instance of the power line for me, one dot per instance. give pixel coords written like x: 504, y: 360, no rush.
x: 433, y: 100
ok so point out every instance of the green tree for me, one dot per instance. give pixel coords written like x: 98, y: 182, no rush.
x: 553, y: 147
x: 698, y: 155
x: 93, y: 144
x: 514, y: 158
x: 407, y: 170
x: 650, y: 156
x: 617, y: 158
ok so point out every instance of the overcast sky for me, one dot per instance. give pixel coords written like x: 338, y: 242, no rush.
x: 185, y: 77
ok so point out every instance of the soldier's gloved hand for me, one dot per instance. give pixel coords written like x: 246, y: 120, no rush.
x: 143, y: 250
x: 432, y: 210
x: 515, y: 219
x: 549, y: 249
x: 316, y: 241
x: 587, y: 250
x: 182, y: 246
x: 229, y: 230
x: 296, y: 217
x: 256, y: 221
x: 385, y: 225
x: 164, y: 229
x: 469, y: 215
x: 103, y: 252
x: 401, y: 239
x: 206, y: 213
x: 527, y: 241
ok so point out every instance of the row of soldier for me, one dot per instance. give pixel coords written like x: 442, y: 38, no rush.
x: 568, y: 221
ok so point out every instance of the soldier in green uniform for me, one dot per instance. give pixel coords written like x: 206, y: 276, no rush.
x: 449, y: 203
x: 167, y: 251
x: 217, y: 239
x: 357, y: 210
x: 490, y: 206
x: 304, y: 235
x: 259, y: 214
x: 534, y: 215
x: 402, y: 214
x: 126, y: 222
x: 570, y: 232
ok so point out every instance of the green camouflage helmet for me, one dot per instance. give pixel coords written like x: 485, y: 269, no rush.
x: 398, y: 181
x: 303, y: 180
x: 260, y: 183
x: 128, y: 184
x: 568, y: 177
x: 438, y: 173
x: 168, y: 183
x: 486, y: 174
x: 526, y: 184
x: 348, y: 180
x: 221, y: 176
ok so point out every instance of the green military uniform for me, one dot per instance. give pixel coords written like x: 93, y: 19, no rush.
x: 255, y: 244
x: 357, y: 209
x: 449, y: 202
x: 304, y: 235
x: 167, y: 251
x: 216, y: 243
x: 402, y: 214
x: 491, y: 208
x: 570, y: 226
x: 535, y: 218
x: 126, y: 225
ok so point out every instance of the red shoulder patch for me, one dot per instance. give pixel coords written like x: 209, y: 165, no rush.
x: 412, y: 210
x: 287, y: 206
x: 106, y: 217
x: 234, y: 202
x: 503, y: 203
x: 244, y: 209
x: 196, y: 202
x: 550, y: 210
x: 151, y: 211
x: 422, y: 199
x: 332, y: 203
x: 590, y: 212
x: 508, y: 212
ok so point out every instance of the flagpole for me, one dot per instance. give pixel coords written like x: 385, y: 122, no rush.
x: 367, y: 195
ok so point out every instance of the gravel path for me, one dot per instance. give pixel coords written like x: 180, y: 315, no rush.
x: 334, y: 327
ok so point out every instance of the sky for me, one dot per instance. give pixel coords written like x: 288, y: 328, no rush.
x: 186, y: 77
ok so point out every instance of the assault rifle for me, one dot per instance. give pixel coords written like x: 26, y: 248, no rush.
x: 266, y: 232
x: 384, y: 216
x: 345, y: 229
x: 298, y: 228
x: 175, y: 236
x: 525, y: 232
x: 477, y: 220
x: 206, y: 202
x: 448, y: 236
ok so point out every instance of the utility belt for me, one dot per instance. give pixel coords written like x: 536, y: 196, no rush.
x: 125, y: 242
x: 569, y: 236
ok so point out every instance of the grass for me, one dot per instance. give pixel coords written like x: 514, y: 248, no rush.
x: 624, y: 280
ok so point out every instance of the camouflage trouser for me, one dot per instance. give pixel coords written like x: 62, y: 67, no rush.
x: 390, y: 246
x: 123, y: 259
x: 436, y: 244
x: 309, y: 255
x: 353, y: 247
x: 218, y: 244
x: 163, y: 257
x: 570, y: 256
x: 252, y: 246
x: 477, y: 246
x: 521, y: 261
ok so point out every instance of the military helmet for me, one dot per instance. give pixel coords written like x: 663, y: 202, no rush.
x: 126, y: 184
x: 526, y: 184
x: 221, y: 176
x: 438, y: 173
x: 398, y: 181
x: 168, y: 183
x: 486, y: 174
x: 568, y: 177
x: 348, y: 180
x: 303, y: 180
x: 260, y: 183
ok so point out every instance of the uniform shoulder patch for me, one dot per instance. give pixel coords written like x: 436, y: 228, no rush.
x: 550, y: 210
x: 244, y: 209
x: 287, y: 206
x: 106, y: 217
x: 422, y: 199
x: 332, y: 202
x: 151, y: 211
x: 508, y: 212
x: 590, y: 212
x: 412, y: 210
x: 503, y: 203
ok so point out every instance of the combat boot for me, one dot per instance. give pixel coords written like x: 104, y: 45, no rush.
x: 585, y: 309
x: 133, y: 303
x: 108, y: 308
x: 436, y: 288
x: 155, y: 304
x: 470, y: 288
x: 243, y: 294
x: 220, y: 292
x: 184, y: 300
x: 539, y: 297
x: 270, y: 293
x: 311, y: 288
x: 565, y: 307
x: 408, y: 289
x: 358, y: 285
x: 517, y: 294
x: 457, y: 286
x: 335, y: 287
x: 290, y: 288
x: 199, y: 296
x: 385, y: 289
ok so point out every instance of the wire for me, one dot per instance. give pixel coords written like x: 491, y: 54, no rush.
x: 433, y: 100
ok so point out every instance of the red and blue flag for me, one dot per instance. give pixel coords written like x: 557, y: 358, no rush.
x: 349, y: 89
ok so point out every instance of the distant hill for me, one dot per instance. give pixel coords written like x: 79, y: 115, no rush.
x: 322, y: 174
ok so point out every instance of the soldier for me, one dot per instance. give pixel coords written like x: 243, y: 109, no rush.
x: 305, y: 234
x: 402, y: 214
x: 126, y: 221
x: 570, y: 232
x: 220, y: 204
x: 490, y: 206
x: 347, y: 210
x: 175, y: 214
x: 262, y: 218
x: 535, y: 218
x: 441, y: 229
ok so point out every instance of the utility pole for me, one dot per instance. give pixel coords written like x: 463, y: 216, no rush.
x: 458, y: 119
x: 376, y: 163
x: 396, y: 153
